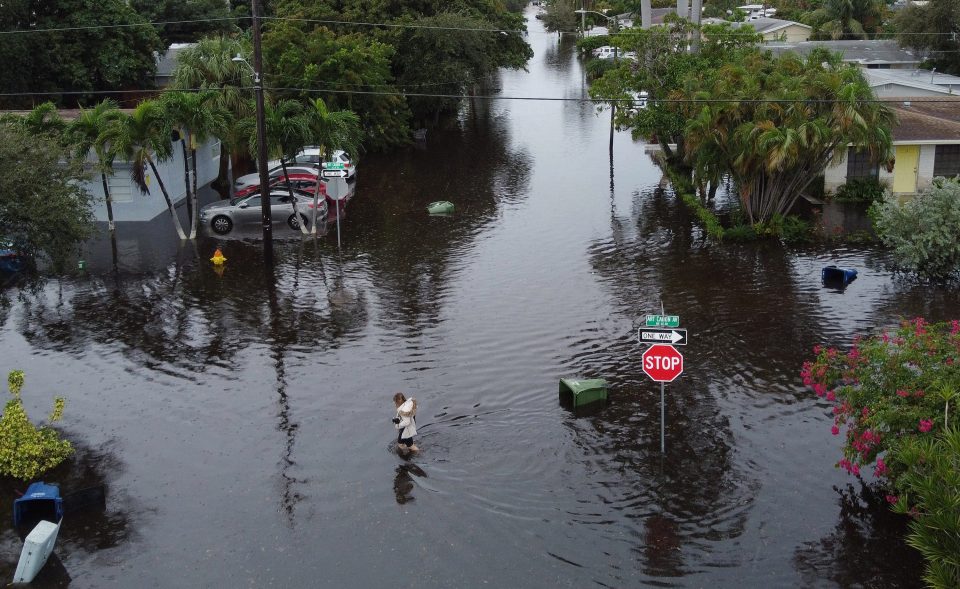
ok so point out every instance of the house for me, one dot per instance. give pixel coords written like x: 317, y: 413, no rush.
x: 772, y: 29
x: 166, y: 63
x: 888, y: 83
x: 926, y: 144
x: 755, y: 11
x: 129, y: 204
x: 868, y: 54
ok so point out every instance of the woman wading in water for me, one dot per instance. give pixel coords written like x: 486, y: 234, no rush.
x: 406, y: 422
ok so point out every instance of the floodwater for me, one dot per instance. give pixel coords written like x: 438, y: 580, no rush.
x: 242, y: 423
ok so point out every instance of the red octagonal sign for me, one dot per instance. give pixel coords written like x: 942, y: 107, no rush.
x: 662, y: 363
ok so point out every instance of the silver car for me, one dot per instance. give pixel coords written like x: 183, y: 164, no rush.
x: 223, y: 215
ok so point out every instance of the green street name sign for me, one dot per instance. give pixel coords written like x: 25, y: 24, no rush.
x: 332, y: 165
x: 663, y: 321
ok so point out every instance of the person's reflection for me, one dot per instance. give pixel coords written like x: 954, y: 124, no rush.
x: 403, y: 482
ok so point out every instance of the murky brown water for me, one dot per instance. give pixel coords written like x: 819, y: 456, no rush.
x: 244, y: 431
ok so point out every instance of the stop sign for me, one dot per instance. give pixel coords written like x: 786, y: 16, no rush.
x: 662, y: 363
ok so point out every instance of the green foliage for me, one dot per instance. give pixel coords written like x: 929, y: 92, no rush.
x: 85, y: 60
x: 896, y: 395
x: 740, y: 233
x: 206, y: 16
x: 559, y: 15
x: 868, y: 190
x: 923, y: 231
x: 795, y: 230
x: 932, y: 30
x: 685, y: 190
x: 44, y: 211
x: 846, y: 19
x: 27, y: 451
x: 774, y: 149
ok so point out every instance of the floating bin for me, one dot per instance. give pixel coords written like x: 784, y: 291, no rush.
x: 40, y: 502
x: 583, y: 391
x: 837, y: 275
x: 440, y: 207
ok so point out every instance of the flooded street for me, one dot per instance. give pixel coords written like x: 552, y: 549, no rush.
x: 244, y: 431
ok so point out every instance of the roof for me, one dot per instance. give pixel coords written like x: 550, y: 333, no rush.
x: 168, y: 61
x: 927, y: 119
x: 916, y: 78
x: 864, y: 52
x: 760, y: 25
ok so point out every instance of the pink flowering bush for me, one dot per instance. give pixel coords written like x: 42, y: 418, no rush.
x: 892, y: 398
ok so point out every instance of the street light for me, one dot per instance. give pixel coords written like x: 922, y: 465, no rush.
x: 256, y: 68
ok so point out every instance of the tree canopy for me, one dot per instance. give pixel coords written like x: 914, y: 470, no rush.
x: 207, y: 16
x: 44, y: 211
x: 80, y: 60
x: 934, y: 30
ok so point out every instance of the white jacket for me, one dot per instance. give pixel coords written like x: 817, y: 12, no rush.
x: 408, y: 420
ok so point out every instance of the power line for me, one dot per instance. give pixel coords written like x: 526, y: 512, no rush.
x: 123, y: 25
x: 501, y: 97
x: 372, y: 24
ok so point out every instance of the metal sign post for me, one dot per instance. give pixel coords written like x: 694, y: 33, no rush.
x: 661, y: 361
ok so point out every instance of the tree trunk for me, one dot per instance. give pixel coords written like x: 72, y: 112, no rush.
x: 195, y: 217
x: 170, y: 207
x: 293, y: 199
x: 186, y: 179
x: 108, y: 201
x: 316, y: 193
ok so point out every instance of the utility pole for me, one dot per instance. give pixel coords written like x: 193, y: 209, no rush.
x: 614, y: 23
x: 261, y: 138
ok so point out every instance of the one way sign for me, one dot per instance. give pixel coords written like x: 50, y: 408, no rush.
x: 675, y: 337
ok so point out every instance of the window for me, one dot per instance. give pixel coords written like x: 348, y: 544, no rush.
x: 946, y: 161
x: 253, y: 201
x: 121, y: 188
x: 860, y: 165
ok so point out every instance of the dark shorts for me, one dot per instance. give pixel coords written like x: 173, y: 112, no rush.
x: 405, y: 441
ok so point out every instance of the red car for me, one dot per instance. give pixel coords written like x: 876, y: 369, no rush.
x: 303, y: 182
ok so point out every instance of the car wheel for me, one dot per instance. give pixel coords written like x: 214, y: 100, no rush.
x: 292, y: 221
x: 221, y: 224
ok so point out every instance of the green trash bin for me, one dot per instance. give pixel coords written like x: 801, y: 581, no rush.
x: 583, y: 391
x: 440, y: 207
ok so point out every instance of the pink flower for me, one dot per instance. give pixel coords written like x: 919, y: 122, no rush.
x: 831, y: 396
x: 835, y: 430
x: 866, y: 411
x: 885, y: 337
x: 819, y: 389
x: 881, y: 468
x: 903, y: 393
x: 925, y: 425
x: 816, y: 349
x: 918, y: 394
x: 892, y: 499
x: 954, y: 327
x: 856, y: 470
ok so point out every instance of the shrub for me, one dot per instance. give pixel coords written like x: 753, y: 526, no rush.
x: 26, y: 450
x: 894, y: 395
x: 923, y: 231
x: 861, y: 190
x: 795, y: 230
x: 740, y: 233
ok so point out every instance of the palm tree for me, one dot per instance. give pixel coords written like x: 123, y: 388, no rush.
x: 847, y: 19
x: 88, y: 132
x: 288, y: 130
x: 209, y: 65
x: 44, y: 119
x: 143, y: 138
x: 195, y: 116
x: 338, y: 129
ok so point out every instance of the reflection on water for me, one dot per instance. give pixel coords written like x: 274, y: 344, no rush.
x: 237, y: 416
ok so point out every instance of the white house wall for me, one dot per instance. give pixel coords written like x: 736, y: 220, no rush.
x: 129, y: 204
x: 835, y: 175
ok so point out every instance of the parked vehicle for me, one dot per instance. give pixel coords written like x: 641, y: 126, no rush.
x: 311, y: 155
x: 305, y: 182
x: 639, y: 101
x: 223, y: 215
x: 248, y: 180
